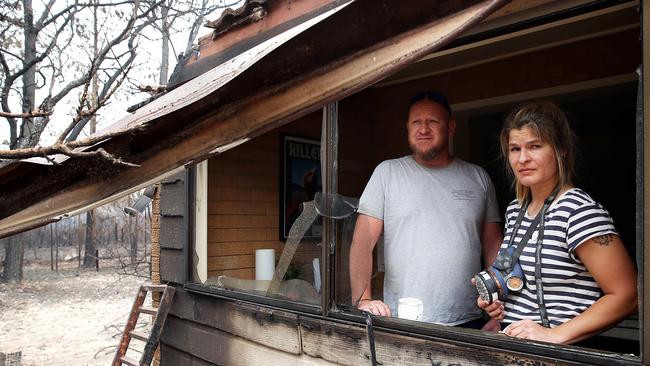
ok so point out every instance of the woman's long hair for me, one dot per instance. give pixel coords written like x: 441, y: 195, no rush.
x: 550, y: 124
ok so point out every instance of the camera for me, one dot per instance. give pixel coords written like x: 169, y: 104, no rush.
x: 503, y: 276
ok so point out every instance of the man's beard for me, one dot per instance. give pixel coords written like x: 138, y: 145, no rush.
x: 428, y: 155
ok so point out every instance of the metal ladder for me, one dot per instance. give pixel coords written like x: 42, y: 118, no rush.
x: 151, y: 339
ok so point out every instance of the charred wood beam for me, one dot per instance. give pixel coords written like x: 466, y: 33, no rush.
x: 344, y: 341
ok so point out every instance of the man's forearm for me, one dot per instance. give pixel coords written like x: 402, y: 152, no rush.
x: 366, y: 233
x: 491, y: 239
x: 360, y: 268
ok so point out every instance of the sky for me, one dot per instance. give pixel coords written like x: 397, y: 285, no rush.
x: 146, y: 73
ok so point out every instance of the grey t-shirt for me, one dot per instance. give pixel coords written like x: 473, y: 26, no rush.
x: 433, y: 219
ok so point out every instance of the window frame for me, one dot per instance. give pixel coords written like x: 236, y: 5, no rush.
x: 332, y: 311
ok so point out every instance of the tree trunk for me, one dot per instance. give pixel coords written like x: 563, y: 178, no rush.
x: 164, y: 63
x: 56, y: 252
x: 35, y: 239
x: 13, y: 266
x: 90, y: 246
x: 51, y: 247
x: 13, y: 270
x: 31, y: 128
x: 80, y: 231
x: 134, y: 239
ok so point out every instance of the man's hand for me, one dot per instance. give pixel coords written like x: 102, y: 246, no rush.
x: 375, y: 307
x: 492, y: 326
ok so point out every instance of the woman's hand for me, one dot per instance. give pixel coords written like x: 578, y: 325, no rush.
x: 494, y: 310
x: 528, y: 329
x: 375, y: 307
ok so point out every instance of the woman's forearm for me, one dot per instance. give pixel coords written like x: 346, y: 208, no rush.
x: 605, y: 313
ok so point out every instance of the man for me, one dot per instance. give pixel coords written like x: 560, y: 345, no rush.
x: 439, y: 216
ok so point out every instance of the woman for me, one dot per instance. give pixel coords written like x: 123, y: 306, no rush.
x: 588, y: 279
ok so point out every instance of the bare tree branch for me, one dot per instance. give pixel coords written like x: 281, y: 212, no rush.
x: 2, y: 50
x: 34, y: 113
x: 4, y: 102
x: 69, y: 8
x: 101, y: 55
x: 103, y: 99
x: 17, y: 22
x: 48, y: 10
x: 31, y: 63
x: 57, y: 70
x: 107, y: 90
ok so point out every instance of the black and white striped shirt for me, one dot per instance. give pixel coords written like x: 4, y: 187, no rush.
x: 569, y: 288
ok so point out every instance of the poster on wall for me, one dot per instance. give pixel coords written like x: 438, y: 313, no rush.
x: 301, y: 179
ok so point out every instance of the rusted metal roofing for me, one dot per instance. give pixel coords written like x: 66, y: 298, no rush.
x: 250, y: 12
x: 332, y: 52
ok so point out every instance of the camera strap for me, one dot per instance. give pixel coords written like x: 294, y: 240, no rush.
x: 538, y: 221
x: 539, y: 285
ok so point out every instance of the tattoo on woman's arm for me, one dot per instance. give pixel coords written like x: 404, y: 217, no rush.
x: 604, y: 240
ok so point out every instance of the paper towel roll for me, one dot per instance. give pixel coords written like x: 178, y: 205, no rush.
x: 264, y: 264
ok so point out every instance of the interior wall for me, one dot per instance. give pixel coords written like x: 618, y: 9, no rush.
x: 244, y: 203
x: 590, y: 59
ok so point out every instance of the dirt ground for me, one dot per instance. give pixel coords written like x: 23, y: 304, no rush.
x: 73, y: 317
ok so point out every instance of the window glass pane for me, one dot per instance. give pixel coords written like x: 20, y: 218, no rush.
x: 606, y: 171
x: 263, y: 231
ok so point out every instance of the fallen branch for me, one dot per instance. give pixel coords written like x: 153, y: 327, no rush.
x: 103, y: 349
x: 65, y: 149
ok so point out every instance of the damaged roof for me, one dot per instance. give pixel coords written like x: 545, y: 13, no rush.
x: 251, y: 11
x: 256, y: 76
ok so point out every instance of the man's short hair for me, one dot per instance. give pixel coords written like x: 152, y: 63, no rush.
x: 432, y: 96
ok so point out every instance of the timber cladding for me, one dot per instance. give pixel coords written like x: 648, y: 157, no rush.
x: 203, y: 330
x: 244, y: 205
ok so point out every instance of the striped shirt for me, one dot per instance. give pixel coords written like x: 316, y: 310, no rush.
x: 569, y: 288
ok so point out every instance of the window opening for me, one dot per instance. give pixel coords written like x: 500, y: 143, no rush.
x: 245, y: 212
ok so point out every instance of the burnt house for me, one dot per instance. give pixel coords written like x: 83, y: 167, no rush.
x: 271, y: 128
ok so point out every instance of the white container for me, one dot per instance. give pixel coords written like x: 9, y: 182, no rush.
x: 410, y: 308
x: 264, y: 264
